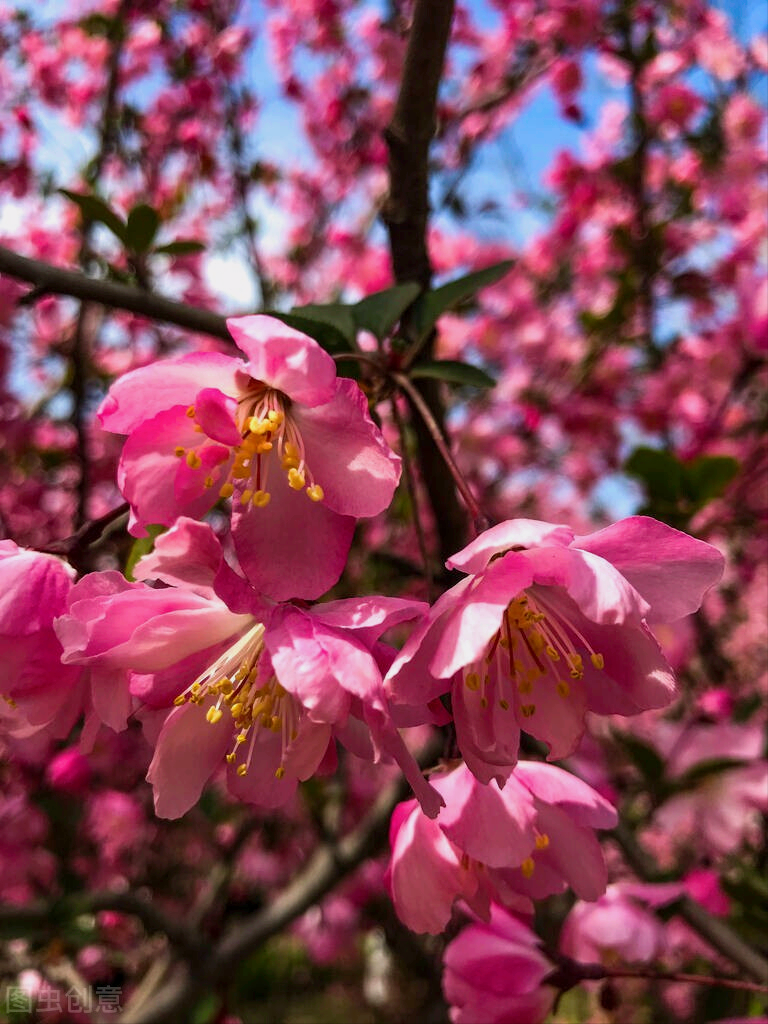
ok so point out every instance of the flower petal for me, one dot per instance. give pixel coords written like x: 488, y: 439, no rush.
x: 188, y: 751
x: 513, y: 533
x: 347, y: 454
x: 142, y: 394
x: 292, y: 548
x: 671, y: 570
x: 284, y: 358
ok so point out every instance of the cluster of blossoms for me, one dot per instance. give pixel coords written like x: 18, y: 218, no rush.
x: 226, y: 664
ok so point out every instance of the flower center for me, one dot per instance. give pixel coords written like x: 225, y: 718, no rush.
x: 533, y: 643
x: 235, y: 683
x: 268, y: 433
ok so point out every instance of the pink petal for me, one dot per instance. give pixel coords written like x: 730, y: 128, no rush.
x: 470, y: 626
x: 33, y: 590
x: 346, y: 453
x: 513, y: 533
x: 409, y: 680
x: 215, y: 413
x: 671, y: 570
x: 189, y: 749
x: 599, y: 591
x: 285, y: 358
x: 556, y: 720
x: 492, y: 826
x: 188, y: 555
x: 149, y: 468
x: 142, y: 394
x: 310, y: 663
x: 292, y: 548
x: 111, y: 696
x: 426, y: 876
x: 553, y: 785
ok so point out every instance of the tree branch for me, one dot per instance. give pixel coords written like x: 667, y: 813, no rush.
x: 50, y: 280
x: 405, y: 213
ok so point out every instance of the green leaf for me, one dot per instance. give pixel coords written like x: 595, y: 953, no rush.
x: 332, y: 325
x: 181, y: 247
x: 141, y: 227
x: 142, y: 546
x: 660, y: 471
x: 707, y: 476
x: 454, y: 372
x: 701, y: 771
x: 379, y: 312
x: 94, y: 209
x: 433, y: 303
x: 646, y: 760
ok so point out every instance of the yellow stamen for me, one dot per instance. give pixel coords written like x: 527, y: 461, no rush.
x: 261, y: 498
x: 295, y: 479
x: 193, y: 460
x: 315, y: 492
x: 527, y: 867
x: 226, y: 490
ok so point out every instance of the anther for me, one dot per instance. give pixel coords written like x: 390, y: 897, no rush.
x: 597, y: 660
x: 295, y: 479
x: 315, y: 492
x: 226, y: 490
x: 193, y: 460
x: 527, y: 867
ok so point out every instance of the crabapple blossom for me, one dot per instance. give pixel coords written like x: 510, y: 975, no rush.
x: 264, y: 688
x: 292, y: 444
x: 488, y: 845
x: 546, y: 626
x: 495, y: 972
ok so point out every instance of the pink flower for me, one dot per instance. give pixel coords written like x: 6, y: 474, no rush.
x: 532, y: 838
x: 495, y: 973
x: 547, y: 626
x: 265, y: 689
x: 621, y: 922
x: 206, y: 426
x: 33, y: 591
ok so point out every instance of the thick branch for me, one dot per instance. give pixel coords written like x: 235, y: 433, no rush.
x: 405, y: 213
x: 50, y: 280
x: 408, y: 137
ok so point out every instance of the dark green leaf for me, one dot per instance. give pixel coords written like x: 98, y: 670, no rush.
x: 707, y: 476
x: 181, y: 247
x: 378, y: 313
x: 326, y: 324
x: 454, y: 372
x: 94, y: 209
x: 644, y: 757
x: 701, y: 771
x: 142, y: 546
x: 660, y: 471
x: 432, y: 304
x: 141, y: 227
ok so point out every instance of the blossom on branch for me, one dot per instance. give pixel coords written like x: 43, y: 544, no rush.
x: 265, y: 689
x: 532, y: 838
x: 547, y: 626
x: 288, y: 441
x: 495, y: 972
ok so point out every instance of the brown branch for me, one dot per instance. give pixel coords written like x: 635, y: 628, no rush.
x: 405, y: 213
x: 571, y: 972
x: 408, y: 136
x: 50, y: 280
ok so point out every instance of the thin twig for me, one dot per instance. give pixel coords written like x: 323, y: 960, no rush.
x: 407, y: 386
x: 410, y: 485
